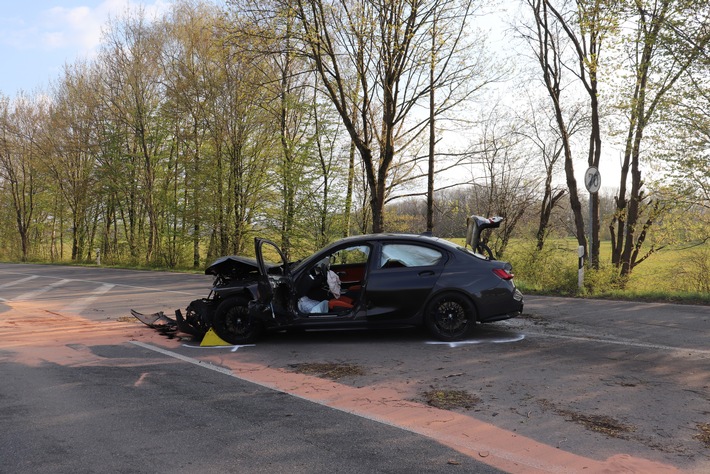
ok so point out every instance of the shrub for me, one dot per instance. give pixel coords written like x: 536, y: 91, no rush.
x: 551, y: 270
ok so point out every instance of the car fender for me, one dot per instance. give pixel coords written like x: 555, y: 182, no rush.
x: 247, y: 291
x: 451, y: 281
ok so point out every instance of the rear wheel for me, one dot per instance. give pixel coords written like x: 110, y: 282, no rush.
x: 450, y: 316
x: 233, y: 323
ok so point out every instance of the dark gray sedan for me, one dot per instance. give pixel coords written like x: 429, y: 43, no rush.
x: 366, y: 281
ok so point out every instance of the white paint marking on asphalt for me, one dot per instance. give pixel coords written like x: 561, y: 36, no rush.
x: 17, y: 282
x: 79, y: 305
x: 183, y: 358
x: 222, y: 370
x: 516, y: 338
x: 142, y: 288
x: 33, y: 294
x: 232, y: 348
x: 622, y: 342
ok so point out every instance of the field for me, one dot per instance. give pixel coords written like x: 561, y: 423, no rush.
x: 679, y: 274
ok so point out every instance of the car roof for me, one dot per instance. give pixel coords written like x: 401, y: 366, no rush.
x: 385, y: 236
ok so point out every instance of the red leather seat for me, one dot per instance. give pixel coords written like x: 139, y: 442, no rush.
x: 340, y: 303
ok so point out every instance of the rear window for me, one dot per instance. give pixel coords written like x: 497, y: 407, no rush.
x: 458, y: 248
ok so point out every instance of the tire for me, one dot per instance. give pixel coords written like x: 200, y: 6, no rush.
x: 450, y: 316
x: 232, y: 323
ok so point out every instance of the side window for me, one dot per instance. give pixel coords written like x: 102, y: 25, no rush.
x: 351, y: 255
x: 409, y: 255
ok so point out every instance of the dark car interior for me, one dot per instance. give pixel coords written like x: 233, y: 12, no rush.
x: 348, y: 268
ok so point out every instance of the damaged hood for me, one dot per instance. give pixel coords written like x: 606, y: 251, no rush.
x: 235, y: 266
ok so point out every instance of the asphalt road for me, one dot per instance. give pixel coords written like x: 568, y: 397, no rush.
x: 572, y: 386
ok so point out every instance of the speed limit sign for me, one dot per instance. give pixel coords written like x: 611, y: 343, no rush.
x: 592, y: 179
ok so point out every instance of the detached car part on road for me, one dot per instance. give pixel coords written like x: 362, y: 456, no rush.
x: 358, y: 282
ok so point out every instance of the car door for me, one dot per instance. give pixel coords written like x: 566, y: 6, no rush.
x: 336, y: 276
x: 401, y: 279
x: 275, y: 287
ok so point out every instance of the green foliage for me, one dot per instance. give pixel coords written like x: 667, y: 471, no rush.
x: 552, y: 270
x: 675, y: 270
x: 602, y: 280
x: 673, y: 274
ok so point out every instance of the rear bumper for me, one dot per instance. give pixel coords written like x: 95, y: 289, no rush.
x: 501, y: 317
x: 515, y: 309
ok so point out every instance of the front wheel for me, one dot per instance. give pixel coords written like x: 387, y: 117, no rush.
x: 233, y: 323
x: 450, y: 316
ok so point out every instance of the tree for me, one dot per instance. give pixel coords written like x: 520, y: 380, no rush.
x: 72, y: 160
x: 456, y: 72
x: 545, y: 37
x: 540, y: 131
x: 683, y: 152
x: 374, y: 59
x: 271, y: 39
x: 135, y: 94
x: 588, y: 24
x: 329, y: 169
x: 508, y: 188
x: 659, y: 55
x: 21, y: 124
x: 188, y: 66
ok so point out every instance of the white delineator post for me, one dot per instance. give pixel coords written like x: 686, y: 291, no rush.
x: 580, y: 272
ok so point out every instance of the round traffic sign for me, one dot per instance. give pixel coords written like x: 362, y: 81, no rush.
x: 592, y: 179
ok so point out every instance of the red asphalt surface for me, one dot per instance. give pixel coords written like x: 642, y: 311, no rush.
x: 502, y: 449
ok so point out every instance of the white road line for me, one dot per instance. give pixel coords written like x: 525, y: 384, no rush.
x: 79, y: 305
x: 33, y: 294
x: 17, y: 282
x: 124, y: 285
x: 499, y: 340
x: 621, y: 342
x: 183, y: 358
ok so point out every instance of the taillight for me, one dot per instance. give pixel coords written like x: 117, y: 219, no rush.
x: 503, y: 273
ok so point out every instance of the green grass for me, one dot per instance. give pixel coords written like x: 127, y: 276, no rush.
x: 673, y: 274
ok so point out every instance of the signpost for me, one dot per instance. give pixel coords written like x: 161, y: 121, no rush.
x: 593, y: 182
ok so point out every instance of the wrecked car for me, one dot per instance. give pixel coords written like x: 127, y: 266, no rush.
x: 369, y: 281
x: 365, y: 281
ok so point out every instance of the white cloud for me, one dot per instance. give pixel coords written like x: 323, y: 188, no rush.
x: 35, y: 41
x: 76, y: 28
x: 80, y: 28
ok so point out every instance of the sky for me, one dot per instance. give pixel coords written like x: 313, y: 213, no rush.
x: 37, y: 37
